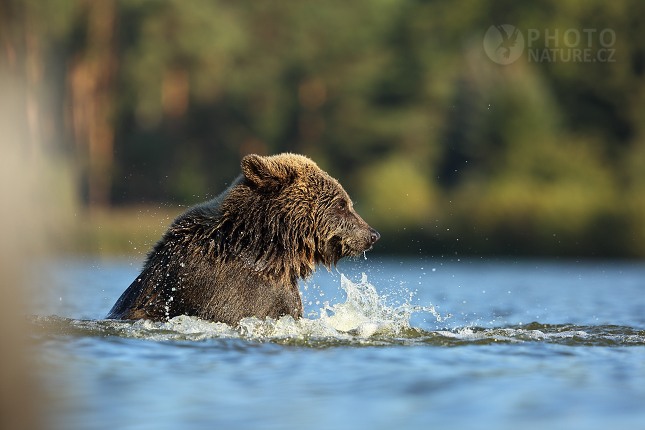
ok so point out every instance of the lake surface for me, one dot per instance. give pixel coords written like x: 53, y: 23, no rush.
x: 449, y: 343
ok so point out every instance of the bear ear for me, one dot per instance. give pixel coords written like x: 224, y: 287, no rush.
x: 263, y: 171
x: 253, y: 168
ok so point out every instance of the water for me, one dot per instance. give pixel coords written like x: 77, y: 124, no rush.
x: 422, y: 343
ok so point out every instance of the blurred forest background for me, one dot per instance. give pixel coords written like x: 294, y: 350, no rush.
x: 147, y: 106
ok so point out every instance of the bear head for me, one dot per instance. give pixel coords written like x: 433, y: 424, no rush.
x: 285, y: 215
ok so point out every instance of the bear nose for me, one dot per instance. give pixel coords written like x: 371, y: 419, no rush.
x: 374, y: 236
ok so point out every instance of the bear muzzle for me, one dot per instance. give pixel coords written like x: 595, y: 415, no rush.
x: 369, y: 239
x: 374, y: 235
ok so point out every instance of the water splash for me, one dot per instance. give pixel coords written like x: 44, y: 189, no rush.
x: 365, y: 318
x: 365, y: 313
x: 316, y: 333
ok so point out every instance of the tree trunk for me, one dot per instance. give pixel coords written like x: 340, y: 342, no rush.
x: 91, y: 85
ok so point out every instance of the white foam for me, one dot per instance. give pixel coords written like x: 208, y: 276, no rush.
x: 363, y: 314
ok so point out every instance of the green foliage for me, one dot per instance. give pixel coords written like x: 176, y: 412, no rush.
x: 397, y: 192
x: 397, y: 99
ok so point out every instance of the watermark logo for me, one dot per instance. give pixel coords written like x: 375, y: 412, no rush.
x: 504, y: 43
x: 572, y: 45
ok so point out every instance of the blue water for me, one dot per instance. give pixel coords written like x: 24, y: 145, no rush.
x: 413, y: 343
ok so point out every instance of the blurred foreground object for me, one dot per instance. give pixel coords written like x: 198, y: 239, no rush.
x: 18, y: 394
x: 32, y: 180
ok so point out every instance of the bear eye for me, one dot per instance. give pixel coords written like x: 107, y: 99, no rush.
x: 341, y: 205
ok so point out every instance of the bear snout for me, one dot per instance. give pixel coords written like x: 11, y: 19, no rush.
x: 368, y: 237
x: 374, y: 235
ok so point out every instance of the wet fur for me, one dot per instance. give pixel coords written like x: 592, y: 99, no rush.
x: 242, y: 253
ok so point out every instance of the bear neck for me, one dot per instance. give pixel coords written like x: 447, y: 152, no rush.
x: 267, y: 235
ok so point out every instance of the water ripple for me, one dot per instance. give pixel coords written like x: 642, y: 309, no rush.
x: 364, y: 319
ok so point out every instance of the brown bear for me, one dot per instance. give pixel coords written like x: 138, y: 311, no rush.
x: 242, y: 253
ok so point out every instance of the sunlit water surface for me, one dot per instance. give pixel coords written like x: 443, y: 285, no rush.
x: 413, y: 343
